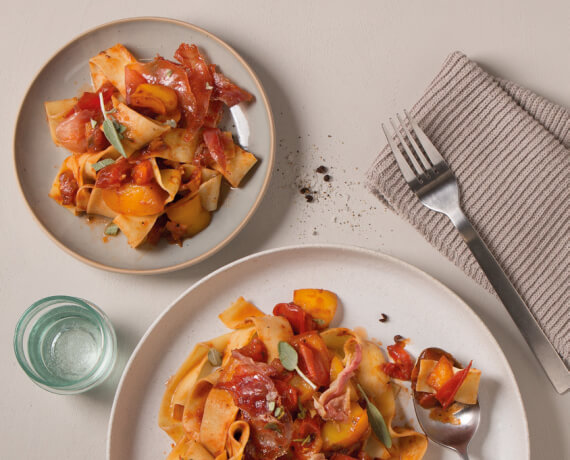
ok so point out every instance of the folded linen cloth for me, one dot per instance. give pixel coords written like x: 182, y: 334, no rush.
x: 509, y: 149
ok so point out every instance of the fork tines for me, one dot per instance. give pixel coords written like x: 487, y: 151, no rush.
x: 417, y: 156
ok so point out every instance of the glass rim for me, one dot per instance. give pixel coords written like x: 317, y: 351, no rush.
x: 86, y: 382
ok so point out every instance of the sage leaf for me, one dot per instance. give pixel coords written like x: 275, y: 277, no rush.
x: 112, y: 229
x: 109, y: 129
x: 377, y: 421
x: 288, y: 356
x: 119, y: 128
x: 101, y: 164
x: 214, y: 357
x: 290, y: 360
x: 113, y: 136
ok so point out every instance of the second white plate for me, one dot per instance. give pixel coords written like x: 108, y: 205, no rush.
x: 368, y: 284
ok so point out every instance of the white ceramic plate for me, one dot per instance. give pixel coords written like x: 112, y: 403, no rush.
x: 67, y: 74
x: 367, y: 284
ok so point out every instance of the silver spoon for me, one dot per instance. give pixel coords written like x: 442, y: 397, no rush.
x: 454, y: 437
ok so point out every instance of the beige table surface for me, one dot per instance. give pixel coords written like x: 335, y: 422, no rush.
x: 333, y: 71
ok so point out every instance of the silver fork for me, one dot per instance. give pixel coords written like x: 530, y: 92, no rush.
x: 430, y: 178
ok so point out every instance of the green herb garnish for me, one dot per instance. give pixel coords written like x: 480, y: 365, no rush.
x: 119, y: 128
x: 93, y: 123
x: 271, y: 406
x: 170, y: 123
x: 319, y: 321
x: 111, y: 132
x: 208, y: 86
x: 273, y: 427
x: 279, y: 412
x: 101, y: 164
x: 306, y: 440
x: 289, y: 358
x: 112, y: 229
x: 169, y: 72
x: 302, y: 411
x: 214, y: 357
x: 376, y: 421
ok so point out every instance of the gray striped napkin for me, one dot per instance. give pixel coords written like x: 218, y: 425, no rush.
x: 509, y: 149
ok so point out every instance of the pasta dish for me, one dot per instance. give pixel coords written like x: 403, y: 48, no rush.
x: 146, y: 149
x: 287, y: 385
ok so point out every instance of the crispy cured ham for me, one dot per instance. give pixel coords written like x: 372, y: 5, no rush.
x: 227, y: 92
x: 331, y: 405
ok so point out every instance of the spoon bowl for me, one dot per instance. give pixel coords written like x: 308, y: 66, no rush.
x: 454, y: 437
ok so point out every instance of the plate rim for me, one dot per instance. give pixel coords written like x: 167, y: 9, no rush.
x: 323, y: 246
x: 195, y: 260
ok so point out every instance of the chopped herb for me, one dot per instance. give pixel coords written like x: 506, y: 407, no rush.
x: 208, y: 86
x: 271, y: 406
x: 101, y: 164
x: 289, y: 358
x: 376, y: 421
x: 319, y: 321
x: 279, y: 412
x: 110, y: 131
x: 169, y: 72
x: 170, y: 123
x: 214, y: 357
x: 273, y: 427
x: 112, y: 229
x: 306, y: 440
x: 93, y: 123
x: 302, y: 411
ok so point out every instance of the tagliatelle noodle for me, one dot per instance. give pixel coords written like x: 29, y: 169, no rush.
x: 238, y: 314
x: 109, y: 66
x: 140, y: 130
x: 56, y: 112
x: 238, y: 435
x: 219, y: 413
x: 135, y: 228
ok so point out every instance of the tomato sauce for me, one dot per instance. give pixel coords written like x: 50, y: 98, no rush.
x: 67, y: 188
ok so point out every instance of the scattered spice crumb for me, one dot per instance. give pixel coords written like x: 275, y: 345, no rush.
x: 398, y: 338
x: 327, y: 178
x: 383, y: 318
x: 309, y: 198
x: 304, y: 190
x: 330, y: 135
x: 322, y: 169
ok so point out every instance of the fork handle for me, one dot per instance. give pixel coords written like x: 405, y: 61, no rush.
x: 521, y: 315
